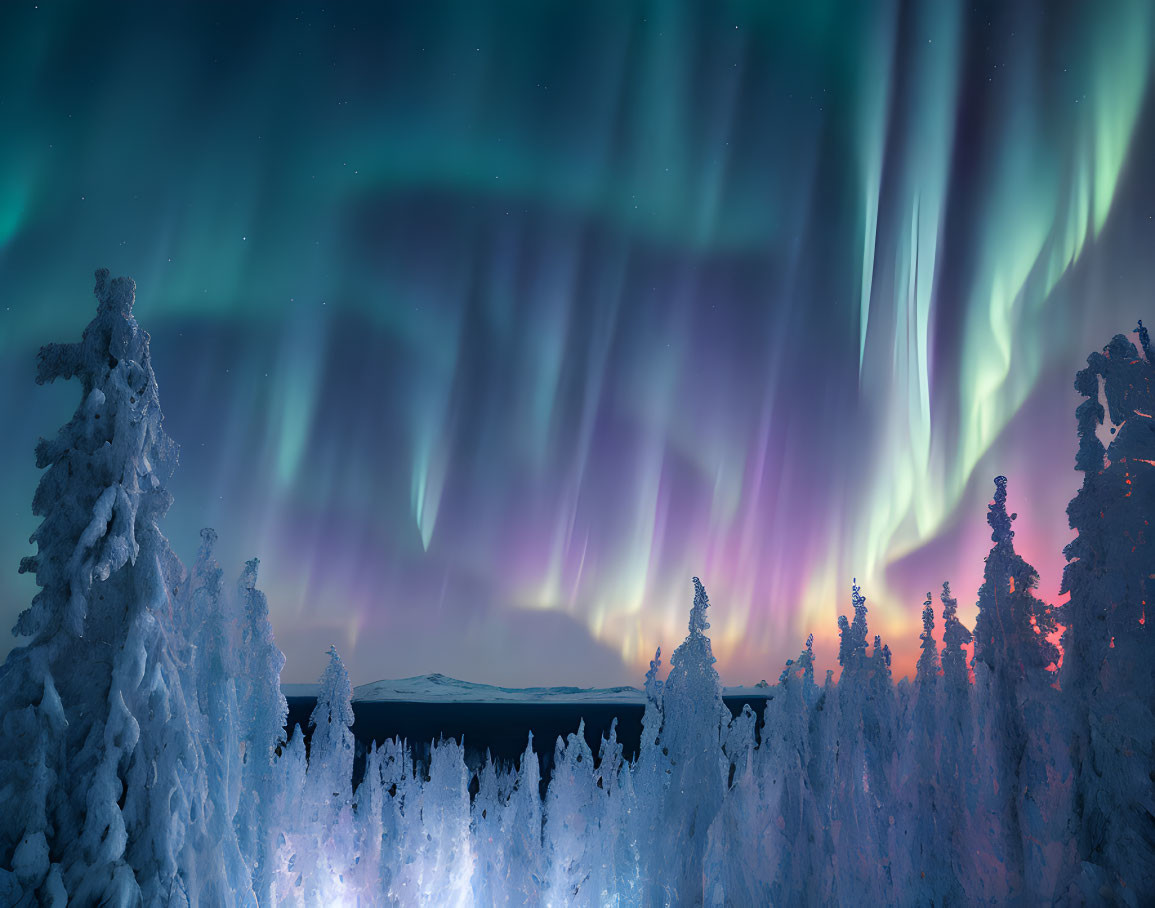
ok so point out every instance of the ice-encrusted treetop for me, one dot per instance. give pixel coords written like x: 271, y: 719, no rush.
x: 334, y: 695
x: 852, y: 636
x: 928, y: 661
x: 698, y: 622
x: 997, y: 516
x: 106, y: 468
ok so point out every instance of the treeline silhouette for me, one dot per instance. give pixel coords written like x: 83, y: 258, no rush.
x: 143, y: 758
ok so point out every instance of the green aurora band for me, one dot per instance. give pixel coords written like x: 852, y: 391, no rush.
x: 487, y: 325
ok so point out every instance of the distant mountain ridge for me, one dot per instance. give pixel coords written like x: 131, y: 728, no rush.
x: 436, y: 688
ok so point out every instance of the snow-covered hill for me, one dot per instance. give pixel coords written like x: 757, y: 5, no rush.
x: 437, y: 688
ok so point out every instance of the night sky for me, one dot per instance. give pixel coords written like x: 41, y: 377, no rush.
x: 486, y: 326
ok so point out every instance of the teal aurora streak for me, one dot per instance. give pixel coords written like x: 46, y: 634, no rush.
x: 487, y: 325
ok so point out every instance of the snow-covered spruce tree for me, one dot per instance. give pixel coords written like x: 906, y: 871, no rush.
x: 744, y: 850
x: 215, y: 633
x: 485, y: 830
x: 1108, y: 674
x: 927, y: 669
x: 522, y: 828
x: 394, y: 766
x: 880, y: 724
x: 579, y: 849
x: 823, y: 734
x: 369, y: 809
x: 293, y: 860
x: 777, y: 845
x: 739, y: 739
x: 926, y: 811
x: 812, y: 826
x: 409, y: 882
x: 1013, y: 626
x: 694, y: 719
x: 881, y: 744
x: 650, y: 774
x: 861, y: 854
x: 652, y: 717
x: 956, y: 773
x: 591, y: 848
x: 104, y: 787
x: 262, y: 712
x: 445, y: 857
x: 614, y: 777
x: 1015, y: 666
x: 326, y: 846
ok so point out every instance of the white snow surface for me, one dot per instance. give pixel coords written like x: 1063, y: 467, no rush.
x: 438, y: 688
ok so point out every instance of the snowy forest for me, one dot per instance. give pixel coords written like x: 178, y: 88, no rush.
x: 144, y: 758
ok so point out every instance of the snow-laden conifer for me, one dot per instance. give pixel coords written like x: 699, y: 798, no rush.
x: 295, y: 855
x: 487, y: 814
x: 328, y: 796
x: 575, y: 841
x: 1108, y: 672
x: 105, y: 796
x: 215, y: 635
x: 932, y: 876
x: 262, y: 713
x: 522, y: 827
x: 854, y: 808
x: 1015, y: 663
x: 694, y: 719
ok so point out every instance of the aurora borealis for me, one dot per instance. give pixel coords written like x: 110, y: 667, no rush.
x: 488, y: 325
